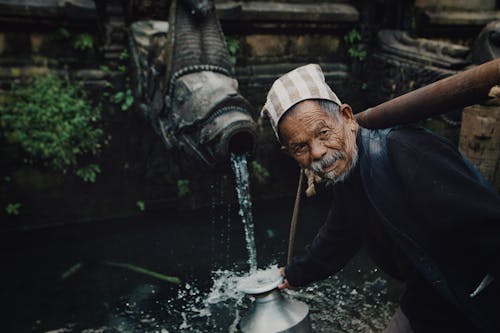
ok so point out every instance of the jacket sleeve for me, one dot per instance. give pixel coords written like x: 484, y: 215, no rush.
x: 337, y: 241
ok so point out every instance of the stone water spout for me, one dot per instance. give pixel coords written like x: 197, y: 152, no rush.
x: 186, y: 86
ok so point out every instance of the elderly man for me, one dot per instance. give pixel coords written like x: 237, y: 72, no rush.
x: 407, y: 196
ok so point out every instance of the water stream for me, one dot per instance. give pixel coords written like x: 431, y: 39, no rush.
x: 240, y: 168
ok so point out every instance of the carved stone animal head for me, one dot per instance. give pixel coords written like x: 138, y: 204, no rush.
x: 487, y: 45
x: 200, y: 8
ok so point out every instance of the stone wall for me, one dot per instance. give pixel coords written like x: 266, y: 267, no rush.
x: 273, y: 36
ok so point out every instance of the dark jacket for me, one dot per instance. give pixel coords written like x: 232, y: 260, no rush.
x: 423, y: 211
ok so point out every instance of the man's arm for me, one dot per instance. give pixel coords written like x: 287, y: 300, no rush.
x: 337, y: 241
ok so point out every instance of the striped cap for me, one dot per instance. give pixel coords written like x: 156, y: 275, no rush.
x: 306, y: 82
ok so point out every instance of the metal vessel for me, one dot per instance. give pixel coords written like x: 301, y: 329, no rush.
x: 272, y: 312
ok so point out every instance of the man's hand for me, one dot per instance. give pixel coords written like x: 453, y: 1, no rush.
x: 285, y: 283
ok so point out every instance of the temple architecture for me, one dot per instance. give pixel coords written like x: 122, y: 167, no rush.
x: 370, y: 51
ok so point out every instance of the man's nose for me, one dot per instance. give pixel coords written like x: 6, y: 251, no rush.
x: 318, y: 150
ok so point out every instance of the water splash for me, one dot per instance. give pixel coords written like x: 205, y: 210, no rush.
x: 240, y: 168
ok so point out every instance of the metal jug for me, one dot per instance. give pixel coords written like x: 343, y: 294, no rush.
x: 272, y: 312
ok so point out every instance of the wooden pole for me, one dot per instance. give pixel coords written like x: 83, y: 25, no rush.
x: 454, y: 92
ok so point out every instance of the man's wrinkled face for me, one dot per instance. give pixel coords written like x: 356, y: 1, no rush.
x: 320, y: 142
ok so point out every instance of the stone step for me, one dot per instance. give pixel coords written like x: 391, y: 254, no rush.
x: 83, y: 9
x: 285, y: 12
x: 460, y: 17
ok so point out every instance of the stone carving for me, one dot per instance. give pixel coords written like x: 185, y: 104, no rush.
x: 487, y: 44
x: 186, y: 86
x: 408, y: 63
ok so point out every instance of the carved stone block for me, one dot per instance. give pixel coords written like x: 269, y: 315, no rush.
x: 480, y: 140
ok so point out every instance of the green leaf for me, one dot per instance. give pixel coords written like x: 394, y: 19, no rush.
x: 63, y: 32
x: 83, y: 42
x: 89, y: 173
x: 259, y: 172
x: 183, y: 187
x: 124, y: 55
x: 13, y: 208
x: 141, y: 205
x: 141, y: 270
x: 352, y: 37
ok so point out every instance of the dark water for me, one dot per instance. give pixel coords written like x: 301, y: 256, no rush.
x: 57, y: 280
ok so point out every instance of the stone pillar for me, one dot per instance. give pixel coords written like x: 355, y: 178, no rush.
x: 480, y: 140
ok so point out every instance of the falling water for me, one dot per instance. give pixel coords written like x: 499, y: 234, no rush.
x: 240, y: 168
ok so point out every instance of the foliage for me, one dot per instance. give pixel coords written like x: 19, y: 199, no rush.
x: 83, y: 42
x: 53, y: 123
x: 124, y: 55
x: 63, y: 33
x: 183, y: 187
x: 259, y: 172
x: 352, y: 37
x: 89, y: 172
x: 13, y: 208
x: 355, y: 51
x: 233, y: 46
x: 124, y: 98
x: 141, y: 205
x: 79, y: 41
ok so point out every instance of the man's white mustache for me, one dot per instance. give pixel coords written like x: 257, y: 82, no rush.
x: 326, y: 161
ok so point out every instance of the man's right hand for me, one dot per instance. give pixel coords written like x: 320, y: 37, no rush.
x: 285, y: 283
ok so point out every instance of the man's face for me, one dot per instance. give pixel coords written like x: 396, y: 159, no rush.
x: 318, y: 141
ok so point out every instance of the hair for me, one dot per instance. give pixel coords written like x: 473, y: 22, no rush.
x: 330, y: 107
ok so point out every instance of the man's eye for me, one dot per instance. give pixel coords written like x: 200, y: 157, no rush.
x: 300, y: 149
x: 324, y: 133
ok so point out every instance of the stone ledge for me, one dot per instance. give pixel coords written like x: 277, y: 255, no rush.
x: 83, y: 9
x: 460, y: 18
x: 285, y: 12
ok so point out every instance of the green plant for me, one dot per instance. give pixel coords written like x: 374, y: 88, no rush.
x: 183, y: 187
x: 355, y: 51
x: 124, y: 55
x: 89, y: 172
x: 259, y: 172
x: 54, y: 124
x: 142, y: 270
x: 233, y: 46
x: 124, y: 98
x: 141, y: 205
x: 105, y: 68
x: 352, y: 37
x: 13, y: 208
x: 63, y: 33
x: 83, y: 42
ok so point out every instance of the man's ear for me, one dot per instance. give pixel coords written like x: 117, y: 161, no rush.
x: 346, y: 112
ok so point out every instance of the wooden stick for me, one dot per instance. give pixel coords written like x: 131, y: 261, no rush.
x: 463, y: 89
x: 295, y: 217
